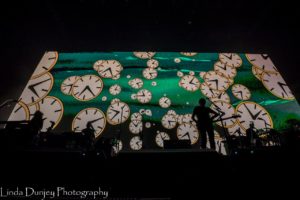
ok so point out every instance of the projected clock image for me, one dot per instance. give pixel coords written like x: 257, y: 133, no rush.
x: 145, y: 98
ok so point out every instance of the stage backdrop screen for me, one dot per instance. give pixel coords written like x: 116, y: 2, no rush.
x: 144, y: 98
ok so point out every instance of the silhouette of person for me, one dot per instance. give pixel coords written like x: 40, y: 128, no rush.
x: 204, y: 123
x: 89, y: 136
x: 35, y: 126
x: 251, y: 136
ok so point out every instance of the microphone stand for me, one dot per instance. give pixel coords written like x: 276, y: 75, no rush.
x: 227, y: 137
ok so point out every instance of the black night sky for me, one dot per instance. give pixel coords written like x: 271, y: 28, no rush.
x: 29, y: 28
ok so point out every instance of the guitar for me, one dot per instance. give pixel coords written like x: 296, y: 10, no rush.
x: 221, y: 119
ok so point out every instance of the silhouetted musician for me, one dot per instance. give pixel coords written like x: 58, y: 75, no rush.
x: 204, y: 123
x: 89, y: 136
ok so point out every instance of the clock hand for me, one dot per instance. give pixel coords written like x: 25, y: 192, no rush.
x: 266, y: 124
x: 116, y: 113
x: 224, y: 68
x: 252, y: 116
x: 281, y: 85
x: 108, y: 69
x: 265, y: 57
x: 89, y: 89
x: 92, y: 121
x: 241, y: 93
x: 31, y: 87
x: 216, y: 81
x: 191, y: 82
x: 229, y: 57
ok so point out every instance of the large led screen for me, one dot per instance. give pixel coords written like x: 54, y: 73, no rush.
x: 144, y: 98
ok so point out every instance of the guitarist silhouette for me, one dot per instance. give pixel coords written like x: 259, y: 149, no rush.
x: 204, y: 123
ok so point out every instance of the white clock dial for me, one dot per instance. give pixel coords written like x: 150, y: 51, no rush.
x: 189, y: 53
x: 152, y: 63
x: 136, y: 83
x: 241, y: 92
x: 164, y: 102
x: 253, y: 112
x: 236, y: 130
x: 187, y: 131
x: 225, y: 70
x: 144, y: 96
x: 53, y: 110
x: 136, y: 117
x: 208, y: 92
x: 32, y: 109
x: 223, y: 96
x: 109, y: 68
x: 115, y: 100
x: 216, y: 81
x: 115, y: 89
x: 87, y: 87
x: 172, y: 112
x: 257, y: 72
x: 20, y: 112
x: 187, y: 118
x: 66, y: 86
x: 160, y: 138
x: 118, y: 146
x: 150, y: 73
x: 262, y: 61
x: 277, y: 86
x: 93, y: 115
x: 135, y: 126
x: 144, y: 55
x: 228, y: 111
x: 230, y: 59
x: 169, y: 121
x: 179, y: 119
x: 46, y: 64
x: 118, y: 113
x: 136, y: 143
x: 189, y: 83
x: 37, y: 88
x: 97, y: 65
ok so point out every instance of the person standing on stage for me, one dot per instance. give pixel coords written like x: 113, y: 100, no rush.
x: 201, y: 115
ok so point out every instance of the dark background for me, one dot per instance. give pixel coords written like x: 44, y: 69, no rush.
x: 29, y: 28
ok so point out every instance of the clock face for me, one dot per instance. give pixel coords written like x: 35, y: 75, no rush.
x: 179, y: 119
x: 53, y: 109
x: 144, y: 55
x: 160, y: 138
x: 227, y: 71
x: 93, y: 115
x: 66, y: 86
x: 164, y: 102
x: 117, y: 113
x: 187, y: 131
x: 169, y: 121
x: 136, y: 116
x: 144, y: 96
x: 136, y: 83
x: 241, y: 92
x: 109, y: 68
x: 251, y: 111
x: 114, y: 89
x: 152, y: 63
x: 189, y: 83
x: 228, y: 110
x: 208, y: 92
x: 189, y: 53
x: 87, y: 87
x: 37, y: 88
x: 135, y: 126
x: 136, y: 143
x: 216, y: 81
x: 150, y: 73
x: 236, y: 130
x: 46, y: 64
x: 257, y: 72
x: 172, y: 112
x: 262, y: 61
x: 97, y: 65
x: 187, y: 118
x: 20, y: 112
x: 277, y: 86
x: 223, y: 96
x: 230, y: 59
